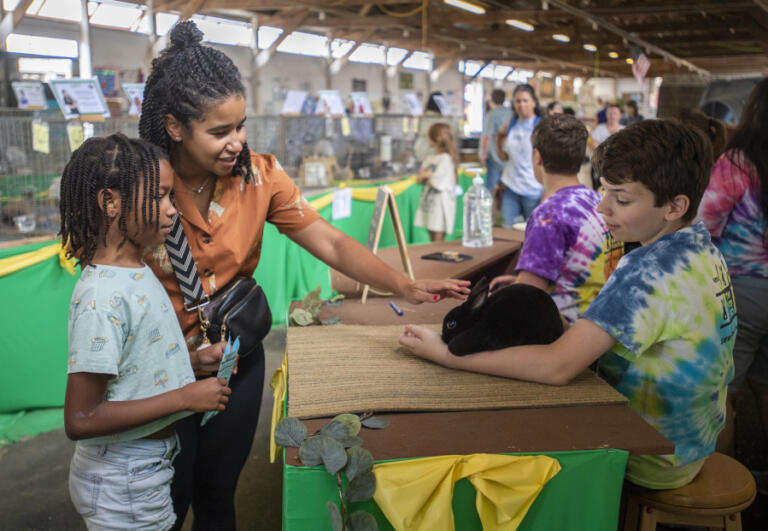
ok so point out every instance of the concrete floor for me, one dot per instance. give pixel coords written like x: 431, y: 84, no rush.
x: 34, y: 493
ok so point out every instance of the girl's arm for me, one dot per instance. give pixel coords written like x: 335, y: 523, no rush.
x: 554, y: 364
x: 87, y: 414
x: 352, y: 258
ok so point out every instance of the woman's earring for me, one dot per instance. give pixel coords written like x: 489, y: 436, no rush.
x: 177, y: 139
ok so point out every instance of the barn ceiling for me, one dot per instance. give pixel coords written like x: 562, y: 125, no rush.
x: 704, y: 37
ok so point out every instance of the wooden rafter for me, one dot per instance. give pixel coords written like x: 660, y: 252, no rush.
x: 11, y: 19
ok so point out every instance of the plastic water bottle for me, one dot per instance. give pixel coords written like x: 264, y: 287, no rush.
x: 477, y: 216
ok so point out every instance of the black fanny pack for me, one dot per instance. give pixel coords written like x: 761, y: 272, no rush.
x: 239, y: 308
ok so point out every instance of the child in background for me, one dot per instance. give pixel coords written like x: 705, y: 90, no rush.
x: 437, y: 205
x: 130, y: 376
x: 664, y: 324
x: 735, y: 210
x: 568, y: 250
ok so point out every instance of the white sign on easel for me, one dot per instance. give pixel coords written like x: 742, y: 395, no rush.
x: 330, y: 103
x: 294, y: 102
x: 81, y: 97
x: 29, y: 94
x: 412, y: 104
x: 135, y: 94
x: 361, y: 105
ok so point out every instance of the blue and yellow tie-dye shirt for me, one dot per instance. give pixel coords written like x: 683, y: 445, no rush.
x: 122, y: 323
x: 670, y: 307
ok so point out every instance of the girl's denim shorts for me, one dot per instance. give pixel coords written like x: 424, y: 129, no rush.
x: 124, y: 485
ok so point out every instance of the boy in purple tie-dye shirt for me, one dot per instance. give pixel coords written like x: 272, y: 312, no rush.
x: 567, y: 251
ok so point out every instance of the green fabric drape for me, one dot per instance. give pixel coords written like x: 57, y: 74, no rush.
x: 584, y: 495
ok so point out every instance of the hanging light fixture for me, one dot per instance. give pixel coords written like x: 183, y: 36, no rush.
x: 559, y: 37
x: 466, y: 6
x: 613, y: 55
x: 590, y: 47
x: 519, y: 24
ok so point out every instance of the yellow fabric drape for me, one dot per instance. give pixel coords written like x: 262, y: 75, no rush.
x: 16, y: 263
x: 279, y: 385
x: 417, y: 494
x: 363, y: 194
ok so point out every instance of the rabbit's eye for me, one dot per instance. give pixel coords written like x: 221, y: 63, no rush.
x: 451, y: 325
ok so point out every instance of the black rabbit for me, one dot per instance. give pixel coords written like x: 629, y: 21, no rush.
x: 518, y: 314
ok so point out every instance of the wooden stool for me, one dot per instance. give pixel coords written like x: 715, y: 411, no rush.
x: 715, y: 499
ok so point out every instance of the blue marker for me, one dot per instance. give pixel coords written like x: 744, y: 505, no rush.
x: 398, y: 311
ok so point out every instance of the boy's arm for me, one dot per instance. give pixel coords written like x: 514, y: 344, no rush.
x: 554, y: 364
x: 87, y: 414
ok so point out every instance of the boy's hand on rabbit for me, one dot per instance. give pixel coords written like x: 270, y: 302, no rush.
x: 210, y: 394
x: 501, y: 281
x: 206, y: 360
x: 420, y: 291
x: 427, y: 344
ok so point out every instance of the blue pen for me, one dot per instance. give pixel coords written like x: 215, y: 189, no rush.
x: 398, y: 311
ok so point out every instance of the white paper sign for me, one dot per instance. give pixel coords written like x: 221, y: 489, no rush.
x: 29, y: 94
x: 361, y: 104
x: 135, y: 94
x: 294, y: 101
x: 412, y: 104
x: 342, y: 203
x: 330, y: 103
x: 79, y: 96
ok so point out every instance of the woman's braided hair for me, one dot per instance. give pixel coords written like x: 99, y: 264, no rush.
x: 115, y: 162
x: 187, y: 78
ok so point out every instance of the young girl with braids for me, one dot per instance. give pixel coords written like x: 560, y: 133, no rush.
x: 130, y: 376
x: 194, y: 107
x: 437, y: 205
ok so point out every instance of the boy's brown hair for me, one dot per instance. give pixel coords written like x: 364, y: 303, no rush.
x: 667, y: 157
x: 562, y: 142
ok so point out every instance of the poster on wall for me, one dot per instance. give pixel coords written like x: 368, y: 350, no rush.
x: 107, y: 80
x: 329, y: 103
x: 361, y: 105
x: 566, y: 89
x: 294, y: 102
x: 406, y: 81
x: 79, y: 97
x: 547, y: 87
x: 29, y: 94
x: 135, y: 94
x: 413, y: 104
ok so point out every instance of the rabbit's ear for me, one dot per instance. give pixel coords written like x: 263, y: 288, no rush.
x: 478, y: 300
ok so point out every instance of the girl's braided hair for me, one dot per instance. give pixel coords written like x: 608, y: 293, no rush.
x: 115, y: 162
x: 187, y: 78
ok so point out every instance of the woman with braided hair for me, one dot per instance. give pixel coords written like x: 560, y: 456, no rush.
x: 194, y: 106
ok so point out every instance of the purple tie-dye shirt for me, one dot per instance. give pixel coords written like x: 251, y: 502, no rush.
x: 567, y: 243
x: 732, y: 213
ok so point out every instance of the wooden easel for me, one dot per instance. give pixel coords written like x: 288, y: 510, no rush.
x: 385, y: 199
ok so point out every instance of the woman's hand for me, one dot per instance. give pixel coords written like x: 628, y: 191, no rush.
x: 206, y: 360
x: 427, y: 344
x: 420, y: 291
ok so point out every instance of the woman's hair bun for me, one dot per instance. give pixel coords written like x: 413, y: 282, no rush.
x: 185, y: 35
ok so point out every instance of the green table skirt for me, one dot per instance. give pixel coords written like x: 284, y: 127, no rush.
x: 585, y: 495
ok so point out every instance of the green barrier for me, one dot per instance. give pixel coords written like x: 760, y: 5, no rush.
x: 584, y: 495
x: 33, y: 334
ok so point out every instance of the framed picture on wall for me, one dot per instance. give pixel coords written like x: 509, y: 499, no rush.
x: 406, y: 80
x: 566, y: 89
x: 359, y: 85
x: 547, y: 87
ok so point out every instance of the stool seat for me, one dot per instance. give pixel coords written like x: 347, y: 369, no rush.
x: 721, y: 487
x: 715, y: 498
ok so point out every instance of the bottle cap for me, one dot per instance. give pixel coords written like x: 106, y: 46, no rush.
x: 478, y: 180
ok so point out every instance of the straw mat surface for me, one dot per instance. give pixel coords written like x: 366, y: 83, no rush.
x: 355, y: 368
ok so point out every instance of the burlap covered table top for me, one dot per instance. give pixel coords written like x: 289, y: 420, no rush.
x: 354, y: 368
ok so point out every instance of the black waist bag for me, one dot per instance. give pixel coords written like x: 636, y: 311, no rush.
x: 241, y: 309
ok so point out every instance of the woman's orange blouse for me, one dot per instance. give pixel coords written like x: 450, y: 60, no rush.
x: 228, y: 243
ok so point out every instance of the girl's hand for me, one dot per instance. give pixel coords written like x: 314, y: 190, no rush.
x: 423, y: 175
x: 501, y: 281
x: 420, y: 291
x: 427, y: 344
x: 211, y: 394
x: 207, y: 360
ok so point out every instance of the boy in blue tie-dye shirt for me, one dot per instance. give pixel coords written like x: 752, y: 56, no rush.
x: 568, y: 251
x: 664, y: 324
